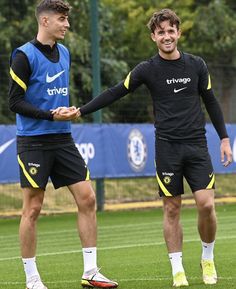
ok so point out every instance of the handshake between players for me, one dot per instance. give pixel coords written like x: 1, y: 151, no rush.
x: 64, y: 113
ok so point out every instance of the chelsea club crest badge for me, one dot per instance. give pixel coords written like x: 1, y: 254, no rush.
x: 137, y: 150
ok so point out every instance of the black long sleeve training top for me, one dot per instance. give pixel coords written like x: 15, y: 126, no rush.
x: 176, y: 88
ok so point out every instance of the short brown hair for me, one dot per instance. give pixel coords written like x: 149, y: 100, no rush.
x: 159, y: 16
x: 58, y: 6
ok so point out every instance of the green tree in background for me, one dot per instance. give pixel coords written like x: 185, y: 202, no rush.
x: 208, y: 30
x: 79, y: 41
x: 213, y: 36
x: 19, y: 25
x: 130, y: 23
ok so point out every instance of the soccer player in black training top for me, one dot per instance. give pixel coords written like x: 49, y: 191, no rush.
x: 40, y: 82
x: 176, y: 81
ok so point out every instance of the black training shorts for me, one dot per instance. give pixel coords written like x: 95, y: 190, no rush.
x: 64, y: 165
x: 176, y: 160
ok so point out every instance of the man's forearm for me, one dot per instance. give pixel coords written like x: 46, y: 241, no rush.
x: 26, y: 109
x: 104, y: 99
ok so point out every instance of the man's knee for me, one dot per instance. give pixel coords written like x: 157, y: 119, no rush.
x: 32, y: 213
x: 84, y: 195
x: 207, y: 208
x: 172, y: 209
x: 90, y: 199
x: 87, y: 202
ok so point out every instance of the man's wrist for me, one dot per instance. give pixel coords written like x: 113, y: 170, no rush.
x: 225, y: 139
x: 51, y: 116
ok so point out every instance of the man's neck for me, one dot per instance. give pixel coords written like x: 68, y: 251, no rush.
x: 45, y: 40
x: 170, y: 56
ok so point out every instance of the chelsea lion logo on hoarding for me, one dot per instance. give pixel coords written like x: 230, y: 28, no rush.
x: 137, y: 150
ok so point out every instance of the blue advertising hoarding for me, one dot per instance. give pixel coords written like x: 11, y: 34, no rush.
x: 112, y: 150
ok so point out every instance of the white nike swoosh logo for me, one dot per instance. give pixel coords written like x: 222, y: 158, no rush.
x: 6, y: 145
x: 178, y: 90
x: 50, y: 79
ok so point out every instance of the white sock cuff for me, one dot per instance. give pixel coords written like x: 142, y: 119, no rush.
x: 176, y: 262
x: 89, y: 249
x: 208, y: 250
x: 175, y: 255
x: 208, y: 244
x: 25, y: 260
x: 90, y: 258
x: 30, y: 267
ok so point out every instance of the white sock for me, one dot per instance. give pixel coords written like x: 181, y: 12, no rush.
x: 176, y: 262
x: 90, y: 258
x: 207, y: 251
x: 30, y: 267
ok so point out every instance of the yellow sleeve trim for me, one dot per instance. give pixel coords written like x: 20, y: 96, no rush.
x: 17, y: 79
x: 209, y: 82
x: 163, y: 188
x: 211, y: 184
x: 127, y: 80
x: 31, y: 181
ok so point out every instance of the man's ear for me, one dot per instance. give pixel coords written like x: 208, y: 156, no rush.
x: 179, y: 33
x: 43, y: 20
x: 153, y: 37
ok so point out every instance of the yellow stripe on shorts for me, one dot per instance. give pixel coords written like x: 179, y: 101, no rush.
x: 88, y: 175
x: 28, y: 177
x: 163, y: 188
x: 211, y: 184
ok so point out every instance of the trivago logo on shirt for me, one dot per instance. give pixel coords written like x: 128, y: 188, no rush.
x: 58, y: 90
x: 178, y: 80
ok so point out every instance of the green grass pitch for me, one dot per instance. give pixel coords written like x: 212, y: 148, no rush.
x: 131, y: 250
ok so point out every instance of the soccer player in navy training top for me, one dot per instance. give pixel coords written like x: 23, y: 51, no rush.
x: 177, y: 82
x: 39, y: 83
